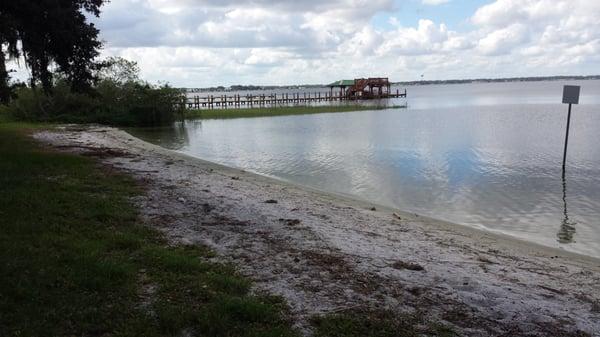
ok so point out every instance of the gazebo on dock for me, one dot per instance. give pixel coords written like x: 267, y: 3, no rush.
x: 342, y: 84
x: 363, y: 88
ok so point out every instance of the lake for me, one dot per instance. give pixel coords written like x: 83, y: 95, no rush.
x: 486, y: 155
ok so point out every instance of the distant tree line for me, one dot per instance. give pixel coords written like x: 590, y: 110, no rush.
x: 508, y: 79
x: 422, y: 82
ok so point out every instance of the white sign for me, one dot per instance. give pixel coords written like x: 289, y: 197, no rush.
x: 571, y: 94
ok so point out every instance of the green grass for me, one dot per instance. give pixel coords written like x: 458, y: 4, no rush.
x: 75, y: 261
x: 377, y: 324
x: 279, y: 111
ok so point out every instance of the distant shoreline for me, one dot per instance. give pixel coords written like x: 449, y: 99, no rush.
x: 502, y: 80
x: 424, y: 82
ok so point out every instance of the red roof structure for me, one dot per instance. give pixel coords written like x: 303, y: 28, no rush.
x: 364, y: 88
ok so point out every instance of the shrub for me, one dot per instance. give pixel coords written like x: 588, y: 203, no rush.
x: 114, y: 103
x: 139, y: 104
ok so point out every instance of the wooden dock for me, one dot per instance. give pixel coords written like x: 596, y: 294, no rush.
x: 238, y: 101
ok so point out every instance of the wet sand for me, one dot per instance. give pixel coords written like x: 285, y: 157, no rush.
x: 326, y: 253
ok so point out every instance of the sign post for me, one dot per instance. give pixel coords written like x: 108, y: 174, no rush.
x: 570, y: 96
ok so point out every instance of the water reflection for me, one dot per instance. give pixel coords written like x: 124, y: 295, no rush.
x: 567, y: 228
x: 173, y: 137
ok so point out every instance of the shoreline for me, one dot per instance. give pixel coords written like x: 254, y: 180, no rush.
x: 323, y: 251
x: 506, y: 239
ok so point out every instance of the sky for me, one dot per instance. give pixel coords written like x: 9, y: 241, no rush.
x: 200, y: 43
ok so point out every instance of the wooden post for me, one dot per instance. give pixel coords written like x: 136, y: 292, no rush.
x: 566, y: 142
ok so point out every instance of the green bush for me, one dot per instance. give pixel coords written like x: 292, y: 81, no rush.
x: 134, y: 103
x: 131, y: 103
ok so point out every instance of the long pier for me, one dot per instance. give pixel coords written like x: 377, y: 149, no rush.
x: 237, y: 101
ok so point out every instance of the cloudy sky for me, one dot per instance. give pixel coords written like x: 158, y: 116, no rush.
x: 199, y: 43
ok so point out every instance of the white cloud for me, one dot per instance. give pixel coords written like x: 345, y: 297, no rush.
x: 426, y: 38
x: 502, y: 41
x: 211, y: 42
x: 434, y: 2
x: 268, y: 41
x: 544, y: 34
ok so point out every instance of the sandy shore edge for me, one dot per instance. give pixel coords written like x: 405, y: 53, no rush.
x: 325, y: 252
x: 508, y: 241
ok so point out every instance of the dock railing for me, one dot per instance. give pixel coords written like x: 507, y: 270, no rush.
x: 273, y: 99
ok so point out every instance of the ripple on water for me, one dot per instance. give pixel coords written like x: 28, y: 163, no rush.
x: 492, y: 162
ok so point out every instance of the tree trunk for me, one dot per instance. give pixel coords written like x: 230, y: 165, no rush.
x: 4, y: 88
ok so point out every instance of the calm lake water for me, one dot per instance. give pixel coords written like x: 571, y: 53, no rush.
x: 482, y: 155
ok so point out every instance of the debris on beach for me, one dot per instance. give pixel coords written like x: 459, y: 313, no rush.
x: 407, y: 265
x: 290, y: 222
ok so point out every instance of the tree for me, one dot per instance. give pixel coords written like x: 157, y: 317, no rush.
x: 50, y: 32
x: 4, y: 88
x: 8, y: 39
x: 119, y: 70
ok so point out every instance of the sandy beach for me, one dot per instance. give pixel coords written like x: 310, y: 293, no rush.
x: 325, y: 253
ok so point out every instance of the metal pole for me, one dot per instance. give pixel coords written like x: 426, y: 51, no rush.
x: 566, y: 141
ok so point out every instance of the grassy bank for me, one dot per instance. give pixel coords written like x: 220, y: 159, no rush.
x: 75, y: 261
x: 278, y: 111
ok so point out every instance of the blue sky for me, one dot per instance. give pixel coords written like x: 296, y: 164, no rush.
x: 198, y: 43
x: 455, y: 14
